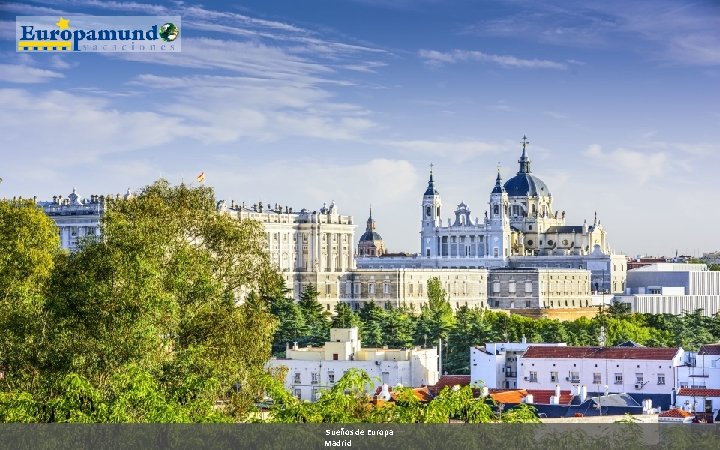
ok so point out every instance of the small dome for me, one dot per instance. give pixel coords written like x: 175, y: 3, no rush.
x: 370, y: 236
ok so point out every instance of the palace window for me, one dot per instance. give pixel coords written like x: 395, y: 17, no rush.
x: 618, y: 378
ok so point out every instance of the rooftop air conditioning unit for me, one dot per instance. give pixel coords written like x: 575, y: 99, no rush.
x: 525, y: 378
x: 567, y: 378
x: 638, y: 385
x: 377, y: 363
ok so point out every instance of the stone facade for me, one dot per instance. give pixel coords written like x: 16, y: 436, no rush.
x: 538, y: 288
x: 308, y: 247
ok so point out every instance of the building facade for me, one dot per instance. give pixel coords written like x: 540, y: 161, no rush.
x: 76, y: 217
x: 510, y: 288
x: 307, y: 247
x: 520, y: 228
x: 495, y: 365
x: 641, y: 372
x: 408, y: 287
x: 672, y: 288
x: 313, y: 369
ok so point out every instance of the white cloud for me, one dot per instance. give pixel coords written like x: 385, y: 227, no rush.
x: 639, y: 166
x: 434, y: 57
x: 20, y: 73
x: 77, y: 128
x: 228, y: 108
x: 456, y: 150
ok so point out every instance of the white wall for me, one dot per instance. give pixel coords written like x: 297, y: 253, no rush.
x: 607, y: 369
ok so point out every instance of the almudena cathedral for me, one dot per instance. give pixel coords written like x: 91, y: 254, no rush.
x: 521, y: 256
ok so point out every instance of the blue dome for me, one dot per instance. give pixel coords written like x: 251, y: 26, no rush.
x: 526, y: 185
x: 370, y: 236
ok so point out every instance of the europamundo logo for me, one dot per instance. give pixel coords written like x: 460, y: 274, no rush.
x: 134, y: 34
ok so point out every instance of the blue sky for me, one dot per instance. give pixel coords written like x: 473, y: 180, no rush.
x: 305, y: 102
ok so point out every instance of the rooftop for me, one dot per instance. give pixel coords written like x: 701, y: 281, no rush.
x: 709, y: 349
x: 677, y: 412
x: 699, y: 392
x: 602, y: 352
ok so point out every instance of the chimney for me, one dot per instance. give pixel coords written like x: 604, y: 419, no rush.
x: 484, y: 392
x: 583, y: 393
x: 384, y: 393
x: 529, y: 399
x: 557, y: 394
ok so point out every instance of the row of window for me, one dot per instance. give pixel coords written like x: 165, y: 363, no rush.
x: 314, y: 378
x: 574, y: 377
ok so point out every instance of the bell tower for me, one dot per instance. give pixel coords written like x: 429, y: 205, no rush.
x: 498, y: 222
x: 431, y: 205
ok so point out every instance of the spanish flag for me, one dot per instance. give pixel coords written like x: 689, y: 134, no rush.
x: 201, y: 177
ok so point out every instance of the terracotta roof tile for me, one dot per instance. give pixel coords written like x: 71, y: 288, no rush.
x: 709, y: 349
x: 512, y: 396
x: 449, y: 380
x: 699, y: 392
x: 601, y: 352
x: 542, y: 396
x: 679, y: 413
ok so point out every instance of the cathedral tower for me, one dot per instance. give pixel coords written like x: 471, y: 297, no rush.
x: 431, y: 205
x: 498, y: 222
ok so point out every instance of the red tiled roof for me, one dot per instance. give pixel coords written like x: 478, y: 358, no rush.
x: 709, y: 349
x: 449, y: 380
x: 511, y: 396
x: 679, y: 413
x: 542, y: 396
x: 601, y: 352
x: 699, y: 392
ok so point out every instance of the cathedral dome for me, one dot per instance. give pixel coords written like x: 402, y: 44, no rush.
x: 526, y: 185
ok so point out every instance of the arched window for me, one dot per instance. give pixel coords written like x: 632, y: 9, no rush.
x: 496, y: 209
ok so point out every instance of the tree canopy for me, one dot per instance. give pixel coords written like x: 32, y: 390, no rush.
x: 157, y: 321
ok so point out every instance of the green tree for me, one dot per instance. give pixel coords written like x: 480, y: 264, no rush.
x: 29, y: 246
x: 373, y: 319
x: 157, y: 321
x: 399, y: 326
x: 436, y: 319
x: 345, y: 317
x: 317, y: 325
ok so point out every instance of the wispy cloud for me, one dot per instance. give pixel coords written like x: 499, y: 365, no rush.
x: 437, y: 58
x: 80, y: 127
x: 456, y: 150
x: 555, y: 115
x: 19, y: 73
x: 668, y: 31
x: 640, y: 166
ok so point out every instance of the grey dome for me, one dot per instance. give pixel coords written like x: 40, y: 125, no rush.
x: 526, y: 185
x: 370, y: 236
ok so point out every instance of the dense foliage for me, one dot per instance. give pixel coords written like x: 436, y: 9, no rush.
x: 143, y: 325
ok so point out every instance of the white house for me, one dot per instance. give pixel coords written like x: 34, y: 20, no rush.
x: 495, y: 365
x: 312, y: 369
x: 702, y: 369
x: 632, y: 370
